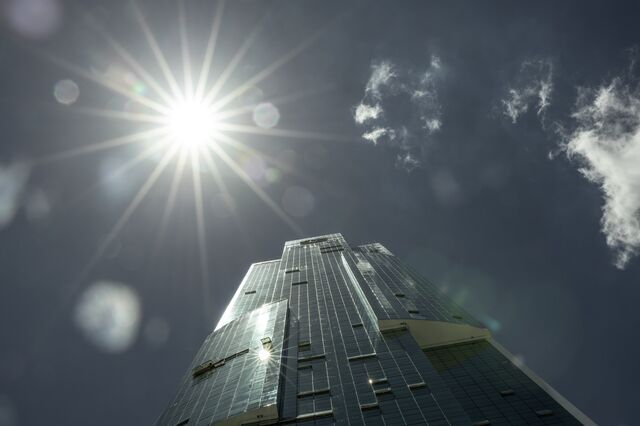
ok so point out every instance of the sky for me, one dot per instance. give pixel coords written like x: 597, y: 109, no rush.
x: 493, y: 146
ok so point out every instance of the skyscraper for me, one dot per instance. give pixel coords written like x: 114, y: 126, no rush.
x: 330, y: 333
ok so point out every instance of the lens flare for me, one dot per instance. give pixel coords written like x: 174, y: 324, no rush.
x: 188, y: 124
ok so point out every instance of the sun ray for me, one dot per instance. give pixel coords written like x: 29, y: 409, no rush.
x: 120, y: 115
x: 101, y: 146
x: 171, y: 200
x: 283, y: 361
x: 222, y: 187
x: 133, y: 63
x: 157, y: 53
x: 274, y: 66
x: 200, y: 228
x: 184, y: 47
x: 122, y: 168
x: 239, y: 146
x: 213, y: 168
x: 122, y: 220
x: 71, y: 290
x: 293, y: 97
x: 188, y: 93
x: 135, y: 202
x: 288, y: 133
x: 108, y: 83
x: 256, y: 189
x: 235, y: 61
x: 211, y: 47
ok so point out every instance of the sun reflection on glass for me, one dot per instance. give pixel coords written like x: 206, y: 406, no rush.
x: 264, y: 354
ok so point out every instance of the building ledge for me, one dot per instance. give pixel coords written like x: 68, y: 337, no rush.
x: 429, y: 334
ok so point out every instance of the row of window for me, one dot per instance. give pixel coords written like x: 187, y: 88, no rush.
x: 248, y: 292
x: 333, y: 250
x: 539, y: 413
x: 416, y: 311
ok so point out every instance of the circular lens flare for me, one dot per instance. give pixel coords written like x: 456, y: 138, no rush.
x: 191, y: 124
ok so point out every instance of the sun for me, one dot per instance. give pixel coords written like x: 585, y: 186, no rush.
x: 190, y: 124
x: 190, y: 118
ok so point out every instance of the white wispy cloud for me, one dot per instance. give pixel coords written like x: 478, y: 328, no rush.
x: 364, y: 112
x: 378, y: 133
x: 390, y: 88
x: 435, y: 62
x: 382, y: 74
x: 425, y: 97
x: 432, y: 124
x: 531, y: 88
x: 607, y: 143
x: 13, y: 181
x: 407, y: 161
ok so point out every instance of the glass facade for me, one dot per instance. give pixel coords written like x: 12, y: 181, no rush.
x: 330, y: 334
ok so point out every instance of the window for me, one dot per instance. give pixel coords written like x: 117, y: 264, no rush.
x: 299, y: 283
x: 313, y: 241
x: 304, y: 345
x: 363, y: 356
x: 330, y: 247
x: 331, y: 250
x: 311, y: 357
x: 316, y: 415
x: 313, y: 392
x: 401, y: 327
x: 371, y: 406
x: 250, y: 292
x: 418, y: 385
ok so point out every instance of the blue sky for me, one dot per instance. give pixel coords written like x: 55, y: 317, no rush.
x: 494, y: 147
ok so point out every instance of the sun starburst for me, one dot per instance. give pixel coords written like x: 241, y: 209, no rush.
x: 191, y: 124
x: 187, y: 123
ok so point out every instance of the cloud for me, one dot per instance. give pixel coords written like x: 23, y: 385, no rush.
x: 378, y: 133
x: 382, y: 74
x: 532, y: 88
x: 606, y: 141
x: 432, y: 124
x: 396, y: 100
x: 425, y: 97
x: 364, y: 112
x: 407, y: 161
x: 13, y: 181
